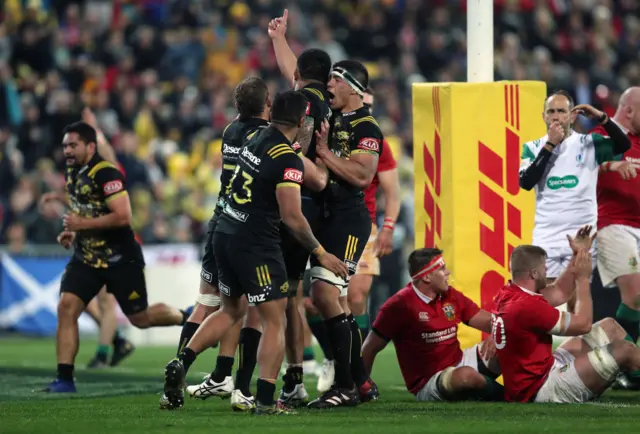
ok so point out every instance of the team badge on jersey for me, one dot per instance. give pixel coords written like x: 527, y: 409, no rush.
x: 423, y: 316
x: 449, y: 311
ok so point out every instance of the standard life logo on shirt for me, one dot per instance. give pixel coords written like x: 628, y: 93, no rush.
x: 556, y: 183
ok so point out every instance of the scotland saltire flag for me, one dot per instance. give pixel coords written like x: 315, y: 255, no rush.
x: 29, y: 294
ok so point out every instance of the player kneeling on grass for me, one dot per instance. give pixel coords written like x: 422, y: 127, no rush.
x: 422, y: 322
x: 525, y: 319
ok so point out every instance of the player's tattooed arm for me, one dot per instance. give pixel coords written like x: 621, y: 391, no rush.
x: 305, y: 134
x: 291, y: 213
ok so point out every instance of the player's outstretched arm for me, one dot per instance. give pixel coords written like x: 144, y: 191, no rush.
x: 372, y: 345
x: 562, y: 289
x: 481, y: 321
x: 580, y: 322
x: 285, y: 58
x: 104, y: 147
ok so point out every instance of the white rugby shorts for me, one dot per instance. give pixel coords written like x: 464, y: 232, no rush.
x: 430, y: 390
x: 618, y: 252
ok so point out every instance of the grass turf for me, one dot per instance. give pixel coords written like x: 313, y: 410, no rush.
x: 125, y: 400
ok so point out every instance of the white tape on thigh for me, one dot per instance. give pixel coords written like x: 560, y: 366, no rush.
x: 208, y: 300
x: 320, y: 273
x: 597, y: 337
x: 604, y: 363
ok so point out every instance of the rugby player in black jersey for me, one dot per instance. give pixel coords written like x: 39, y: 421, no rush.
x: 251, y: 98
x: 105, y: 250
x: 355, y: 142
x: 310, y: 72
x: 265, y: 190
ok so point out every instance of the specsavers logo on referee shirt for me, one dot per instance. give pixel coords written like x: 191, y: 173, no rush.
x: 556, y: 182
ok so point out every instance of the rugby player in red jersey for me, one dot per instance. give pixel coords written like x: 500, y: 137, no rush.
x: 618, y: 194
x: 525, y: 318
x: 422, y: 322
x: 380, y: 243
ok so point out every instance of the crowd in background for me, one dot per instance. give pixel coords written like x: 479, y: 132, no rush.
x: 159, y: 75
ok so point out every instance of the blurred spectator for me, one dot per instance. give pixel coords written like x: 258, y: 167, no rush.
x: 159, y: 76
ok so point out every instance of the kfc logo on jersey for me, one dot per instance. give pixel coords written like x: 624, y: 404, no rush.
x: 293, y: 175
x: 423, y: 316
x: 112, y: 187
x: 369, y: 144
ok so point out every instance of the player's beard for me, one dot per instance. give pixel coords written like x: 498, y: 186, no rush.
x: 541, y: 283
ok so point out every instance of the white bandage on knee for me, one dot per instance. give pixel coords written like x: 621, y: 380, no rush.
x: 446, y: 379
x: 597, y: 337
x: 208, y: 300
x: 604, y: 363
x: 320, y: 273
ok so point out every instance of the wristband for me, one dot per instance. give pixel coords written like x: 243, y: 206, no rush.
x: 603, y: 119
x: 606, y: 166
x: 318, y: 251
x: 389, y: 223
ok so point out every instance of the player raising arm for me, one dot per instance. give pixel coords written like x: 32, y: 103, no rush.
x: 524, y: 321
x: 422, y: 322
x: 264, y: 190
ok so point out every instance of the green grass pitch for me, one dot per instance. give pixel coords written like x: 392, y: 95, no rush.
x: 125, y: 400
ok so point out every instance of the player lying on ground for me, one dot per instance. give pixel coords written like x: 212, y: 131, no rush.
x: 422, y: 322
x: 105, y: 250
x: 264, y: 191
x: 525, y: 318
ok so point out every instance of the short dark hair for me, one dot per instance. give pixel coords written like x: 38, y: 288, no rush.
x: 85, y: 131
x: 289, y: 107
x: 357, y: 70
x: 525, y: 258
x: 563, y: 93
x: 421, y: 257
x: 314, y: 64
x: 250, y: 96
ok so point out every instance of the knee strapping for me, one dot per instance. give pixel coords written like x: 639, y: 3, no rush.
x: 320, y: 273
x: 208, y: 300
x: 603, y: 363
x: 597, y: 337
x: 445, y: 382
